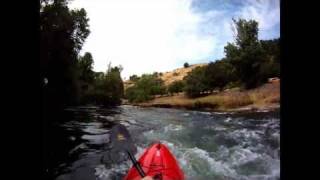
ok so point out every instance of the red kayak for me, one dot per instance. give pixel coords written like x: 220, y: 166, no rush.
x: 159, y: 163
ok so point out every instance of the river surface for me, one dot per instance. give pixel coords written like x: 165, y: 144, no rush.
x: 207, y: 145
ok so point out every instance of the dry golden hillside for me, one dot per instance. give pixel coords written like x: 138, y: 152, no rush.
x: 171, y: 76
x: 178, y: 74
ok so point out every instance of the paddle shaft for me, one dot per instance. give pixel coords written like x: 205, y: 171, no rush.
x: 136, y: 164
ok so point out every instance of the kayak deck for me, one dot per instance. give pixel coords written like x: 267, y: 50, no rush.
x: 157, y: 162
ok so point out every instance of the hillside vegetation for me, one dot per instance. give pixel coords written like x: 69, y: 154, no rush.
x: 170, y: 76
x: 266, y: 97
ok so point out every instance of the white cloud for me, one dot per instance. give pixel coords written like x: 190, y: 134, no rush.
x: 143, y: 35
x: 266, y: 12
x: 158, y: 35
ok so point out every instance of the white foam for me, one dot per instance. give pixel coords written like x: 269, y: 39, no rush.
x: 80, y: 146
x: 186, y: 114
x: 96, y: 139
x: 172, y: 127
x: 103, y: 173
x: 219, y: 128
x: 125, y: 123
x: 132, y: 121
x: 95, y: 130
x: 103, y: 117
x: 188, y: 158
x: 162, y: 134
x: 241, y: 156
x: 218, y: 167
x: 205, y: 113
x: 140, y: 151
x: 72, y: 138
x: 244, y: 135
x: 228, y: 119
x: 263, y: 110
x: 222, y: 152
x: 221, y: 113
x: 221, y: 163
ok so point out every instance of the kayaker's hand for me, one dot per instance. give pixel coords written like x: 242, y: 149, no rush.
x: 147, y: 178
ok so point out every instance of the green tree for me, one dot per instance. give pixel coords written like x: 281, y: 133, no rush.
x: 62, y: 33
x: 80, y: 26
x: 196, y: 82
x: 114, y: 85
x: 147, y: 86
x: 272, y: 48
x: 271, y: 67
x: 136, y: 95
x: 156, y: 74
x: 98, y: 79
x: 176, y: 87
x: 185, y: 65
x: 158, y: 87
x: 97, y: 94
x: 134, y: 78
x: 85, y: 64
x: 219, y: 74
x: 246, y: 55
x: 247, y: 33
x: 107, y: 87
x: 151, y: 84
x: 86, y: 76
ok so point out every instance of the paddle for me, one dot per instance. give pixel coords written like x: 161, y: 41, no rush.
x: 121, y: 141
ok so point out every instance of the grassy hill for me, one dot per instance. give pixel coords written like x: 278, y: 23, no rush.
x: 170, y: 76
x: 178, y: 74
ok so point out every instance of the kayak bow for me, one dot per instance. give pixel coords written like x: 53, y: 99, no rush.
x: 157, y: 162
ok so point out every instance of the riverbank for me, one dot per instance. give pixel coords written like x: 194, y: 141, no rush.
x: 263, y: 98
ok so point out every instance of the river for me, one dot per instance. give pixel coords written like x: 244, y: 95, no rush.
x: 207, y: 145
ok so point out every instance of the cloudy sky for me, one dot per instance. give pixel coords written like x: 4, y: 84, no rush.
x: 145, y: 36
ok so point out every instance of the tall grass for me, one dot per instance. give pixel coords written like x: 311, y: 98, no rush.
x: 228, y: 100
x: 264, y: 95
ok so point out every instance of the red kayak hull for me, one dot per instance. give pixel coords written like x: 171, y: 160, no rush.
x: 157, y: 160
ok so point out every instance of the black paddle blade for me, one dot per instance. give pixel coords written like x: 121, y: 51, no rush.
x: 121, y: 139
x: 121, y: 142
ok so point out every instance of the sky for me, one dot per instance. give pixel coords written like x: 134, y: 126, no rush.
x: 146, y: 36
